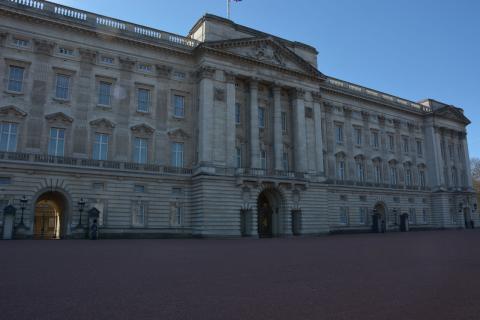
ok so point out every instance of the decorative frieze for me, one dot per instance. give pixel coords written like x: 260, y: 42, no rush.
x: 163, y: 71
x: 12, y: 111
x: 365, y: 116
x: 126, y: 63
x: 44, y: 46
x: 87, y: 55
x: 316, y: 97
x: 58, y: 117
x: 142, y: 129
x: 102, y: 123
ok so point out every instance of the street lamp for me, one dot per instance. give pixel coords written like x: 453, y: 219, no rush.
x: 81, y: 206
x: 23, y: 205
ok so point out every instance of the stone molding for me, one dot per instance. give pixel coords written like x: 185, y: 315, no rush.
x: 43, y: 46
x: 230, y: 77
x: 102, y: 122
x: 316, y: 97
x: 219, y: 94
x: 143, y: 129
x: 59, y: 117
x: 12, y: 110
x: 87, y: 55
x: 163, y: 71
x: 126, y: 63
x: 205, y: 72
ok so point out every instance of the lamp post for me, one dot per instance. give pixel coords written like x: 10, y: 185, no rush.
x: 23, y: 205
x: 81, y: 206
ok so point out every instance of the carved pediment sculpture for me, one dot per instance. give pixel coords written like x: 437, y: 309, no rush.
x: 59, y: 117
x: 102, y: 122
x: 452, y: 113
x: 177, y: 134
x: 12, y: 111
x: 143, y: 129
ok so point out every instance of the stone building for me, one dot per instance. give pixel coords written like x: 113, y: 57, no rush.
x: 228, y: 131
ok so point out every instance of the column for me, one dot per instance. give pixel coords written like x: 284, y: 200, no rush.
x: 205, y: 116
x: 277, y: 128
x: 299, y: 129
x: 254, y: 134
x: 437, y: 144
x: 230, y: 125
x: 467, y: 160
x: 318, y: 133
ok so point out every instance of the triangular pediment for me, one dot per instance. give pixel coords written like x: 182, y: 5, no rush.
x: 267, y: 51
x: 178, y: 134
x: 143, y: 128
x: 59, y: 117
x: 12, y: 110
x: 452, y: 113
x: 102, y: 122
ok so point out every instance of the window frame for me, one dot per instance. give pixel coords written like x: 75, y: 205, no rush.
x: 9, y: 135
x: 57, y: 138
x: 177, y: 154
x: 105, y: 144
x: 138, y: 150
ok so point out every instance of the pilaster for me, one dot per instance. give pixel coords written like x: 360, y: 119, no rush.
x: 230, y: 125
x: 277, y: 128
x: 205, y: 116
x: 317, y: 110
x: 300, y: 136
x: 254, y: 135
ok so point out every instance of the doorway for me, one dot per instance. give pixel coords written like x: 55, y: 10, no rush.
x: 49, y: 221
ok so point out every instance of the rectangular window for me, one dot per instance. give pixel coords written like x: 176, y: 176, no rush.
x: 412, y: 216
x: 177, y: 154
x: 408, y: 177
x: 341, y: 170
x: 238, y: 151
x: 100, y: 147
x: 5, y: 181
x: 284, y: 122
x: 145, y: 67
x: 419, y: 148
x: 8, y: 137
x: 176, y: 218
x: 261, y: 117
x: 21, y: 42
x: 140, y: 150
x: 344, y: 215
x: 360, y: 171
x: 15, y: 78
x: 422, y: 178
x: 138, y: 214
x: 405, y: 145
x: 375, y: 142
x: 358, y: 136
x: 56, y: 145
x: 62, y: 87
x: 65, y: 51
x: 285, y: 161
x: 391, y: 142
x: 363, y: 216
x: 339, y: 133
x: 377, y: 173
x: 105, y: 93
x: 143, y: 100
x: 139, y: 188
x: 107, y: 59
x: 179, y: 106
x: 263, y: 159
x: 393, y: 175
x: 237, y: 113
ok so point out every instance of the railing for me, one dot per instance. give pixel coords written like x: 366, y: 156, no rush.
x: 375, y: 185
x: 256, y: 172
x: 91, y: 163
x: 49, y: 9
x: 376, y: 94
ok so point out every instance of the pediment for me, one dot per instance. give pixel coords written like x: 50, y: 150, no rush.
x: 266, y: 51
x: 452, y: 113
x: 59, y: 117
x: 178, y: 134
x: 143, y: 128
x: 12, y: 110
x: 102, y: 122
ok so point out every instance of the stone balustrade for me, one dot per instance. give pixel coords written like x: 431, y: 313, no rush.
x: 62, y: 13
x: 376, y: 94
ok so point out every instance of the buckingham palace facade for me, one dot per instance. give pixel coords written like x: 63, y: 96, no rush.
x: 225, y: 132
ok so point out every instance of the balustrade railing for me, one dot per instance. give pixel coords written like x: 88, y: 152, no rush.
x: 61, y: 12
x: 258, y: 172
x: 372, y: 93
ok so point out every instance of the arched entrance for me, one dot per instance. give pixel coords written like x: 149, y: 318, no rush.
x: 269, y: 204
x: 50, y: 218
x: 379, y: 218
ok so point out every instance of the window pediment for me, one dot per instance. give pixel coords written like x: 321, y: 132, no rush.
x: 142, y: 129
x: 59, y: 117
x: 105, y: 123
x: 12, y: 111
x: 178, y: 134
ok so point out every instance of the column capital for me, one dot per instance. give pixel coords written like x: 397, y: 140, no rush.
x: 44, y: 46
x: 298, y: 93
x: 205, y: 72
x: 316, y: 96
x: 253, y: 83
x: 126, y: 63
x: 328, y: 107
x: 163, y: 70
x: 276, y: 87
x: 229, y: 77
x: 87, y: 55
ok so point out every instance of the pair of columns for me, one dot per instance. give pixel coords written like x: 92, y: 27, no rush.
x: 206, y: 100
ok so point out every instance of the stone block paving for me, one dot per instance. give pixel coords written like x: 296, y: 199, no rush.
x: 417, y: 275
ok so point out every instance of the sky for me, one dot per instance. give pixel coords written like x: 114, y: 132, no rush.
x: 413, y: 49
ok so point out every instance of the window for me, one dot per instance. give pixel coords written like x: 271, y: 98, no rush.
x: 263, y: 159
x: 107, y: 59
x: 21, y: 42
x: 176, y: 215
x: 139, y: 188
x: 360, y: 171
x: 138, y: 214
x: 357, y: 136
x: 377, y: 173
x: 393, y: 175
x: 140, y: 150
x: 339, y: 133
x: 405, y: 144
x: 412, y: 216
x: 57, y: 142
x: 285, y: 161
x: 105, y: 93
x: 179, y: 75
x: 145, y: 67
x: 177, y: 154
x: 343, y: 215
x: 363, y: 215
x: 238, y: 152
x: 375, y: 142
x: 143, y: 100
x: 237, y: 113
x: 408, y: 176
x: 341, y: 170
x: 261, y: 117
x: 179, y: 106
x: 419, y: 148
x: 422, y: 178
x: 100, y: 147
x: 4, y: 181
x: 15, y: 79
x: 391, y: 142
x: 65, y: 51
x: 8, y: 137
x: 284, y: 122
x: 62, y: 87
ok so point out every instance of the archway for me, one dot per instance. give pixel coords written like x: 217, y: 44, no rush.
x: 379, y: 218
x: 269, y: 205
x: 50, y: 216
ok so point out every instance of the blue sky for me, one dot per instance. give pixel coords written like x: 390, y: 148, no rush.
x: 414, y: 49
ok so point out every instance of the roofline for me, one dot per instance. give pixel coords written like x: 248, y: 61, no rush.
x: 209, y: 16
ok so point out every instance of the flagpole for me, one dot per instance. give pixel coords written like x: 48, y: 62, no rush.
x: 228, y: 9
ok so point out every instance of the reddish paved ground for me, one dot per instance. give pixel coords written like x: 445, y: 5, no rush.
x: 420, y: 275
